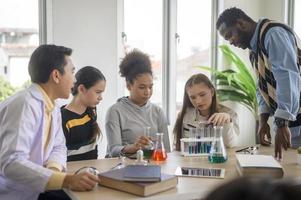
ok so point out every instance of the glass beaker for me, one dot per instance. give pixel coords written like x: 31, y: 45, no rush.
x: 217, y: 152
x: 159, y: 153
x: 148, y: 149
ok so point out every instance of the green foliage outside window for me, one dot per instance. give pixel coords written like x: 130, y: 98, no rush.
x: 6, y: 89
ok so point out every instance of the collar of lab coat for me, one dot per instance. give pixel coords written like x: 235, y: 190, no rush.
x: 38, y: 92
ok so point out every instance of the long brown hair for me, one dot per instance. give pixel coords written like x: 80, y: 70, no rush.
x: 194, y: 79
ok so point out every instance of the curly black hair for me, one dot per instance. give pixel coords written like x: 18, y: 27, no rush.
x: 134, y: 64
x: 230, y: 17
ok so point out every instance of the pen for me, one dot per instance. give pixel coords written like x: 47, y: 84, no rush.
x: 252, y: 148
x: 242, y: 149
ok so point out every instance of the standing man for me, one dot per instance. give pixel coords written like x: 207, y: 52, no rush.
x: 275, y: 53
x: 32, y: 143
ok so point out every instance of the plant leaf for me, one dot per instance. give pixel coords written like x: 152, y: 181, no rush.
x: 237, y: 83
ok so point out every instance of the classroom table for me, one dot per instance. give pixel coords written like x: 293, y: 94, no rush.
x: 188, y: 187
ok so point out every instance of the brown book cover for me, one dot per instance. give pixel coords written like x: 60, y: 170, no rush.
x: 258, y: 166
x: 115, y: 179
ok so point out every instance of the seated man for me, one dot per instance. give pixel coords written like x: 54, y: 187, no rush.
x: 32, y: 143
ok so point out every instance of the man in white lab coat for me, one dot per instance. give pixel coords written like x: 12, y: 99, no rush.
x: 32, y: 143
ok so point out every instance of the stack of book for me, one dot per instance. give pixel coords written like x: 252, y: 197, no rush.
x: 138, y: 179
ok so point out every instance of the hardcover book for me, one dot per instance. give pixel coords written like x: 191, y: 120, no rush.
x: 258, y: 166
x: 115, y: 179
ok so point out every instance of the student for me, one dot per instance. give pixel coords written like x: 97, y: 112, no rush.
x: 200, y: 105
x: 247, y: 188
x: 275, y: 53
x: 127, y: 120
x: 79, y: 117
x: 32, y: 143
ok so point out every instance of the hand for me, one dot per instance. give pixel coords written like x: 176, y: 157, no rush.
x: 140, y: 142
x: 84, y: 181
x: 282, y: 139
x: 219, y: 119
x: 264, y: 134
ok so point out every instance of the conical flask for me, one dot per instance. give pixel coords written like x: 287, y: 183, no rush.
x: 217, y: 152
x: 159, y: 153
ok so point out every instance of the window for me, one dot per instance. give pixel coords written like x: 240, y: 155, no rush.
x: 297, y: 18
x: 143, y: 30
x: 19, y: 36
x: 193, y: 48
x: 190, y: 21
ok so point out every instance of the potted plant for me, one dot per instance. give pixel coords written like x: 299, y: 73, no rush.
x: 236, y: 84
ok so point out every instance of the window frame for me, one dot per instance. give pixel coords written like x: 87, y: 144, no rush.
x: 169, y: 53
x: 289, y: 12
x: 169, y: 57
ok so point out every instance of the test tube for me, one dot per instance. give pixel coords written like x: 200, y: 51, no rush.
x: 191, y: 136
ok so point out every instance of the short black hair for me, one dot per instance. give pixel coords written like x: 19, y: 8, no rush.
x: 133, y: 64
x: 230, y: 17
x: 45, y: 59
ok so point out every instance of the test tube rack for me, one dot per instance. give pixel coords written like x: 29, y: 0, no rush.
x: 199, y: 142
x: 196, y: 146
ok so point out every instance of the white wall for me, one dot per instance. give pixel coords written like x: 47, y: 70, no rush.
x: 90, y: 28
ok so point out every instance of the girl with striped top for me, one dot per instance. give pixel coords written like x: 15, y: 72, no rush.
x: 79, y: 116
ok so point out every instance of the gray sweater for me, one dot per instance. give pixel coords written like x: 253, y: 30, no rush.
x: 126, y: 121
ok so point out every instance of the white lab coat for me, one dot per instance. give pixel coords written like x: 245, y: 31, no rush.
x: 22, y: 175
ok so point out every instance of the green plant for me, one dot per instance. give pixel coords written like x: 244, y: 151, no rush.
x: 26, y: 84
x: 237, y: 83
x: 6, y: 89
x: 299, y: 150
